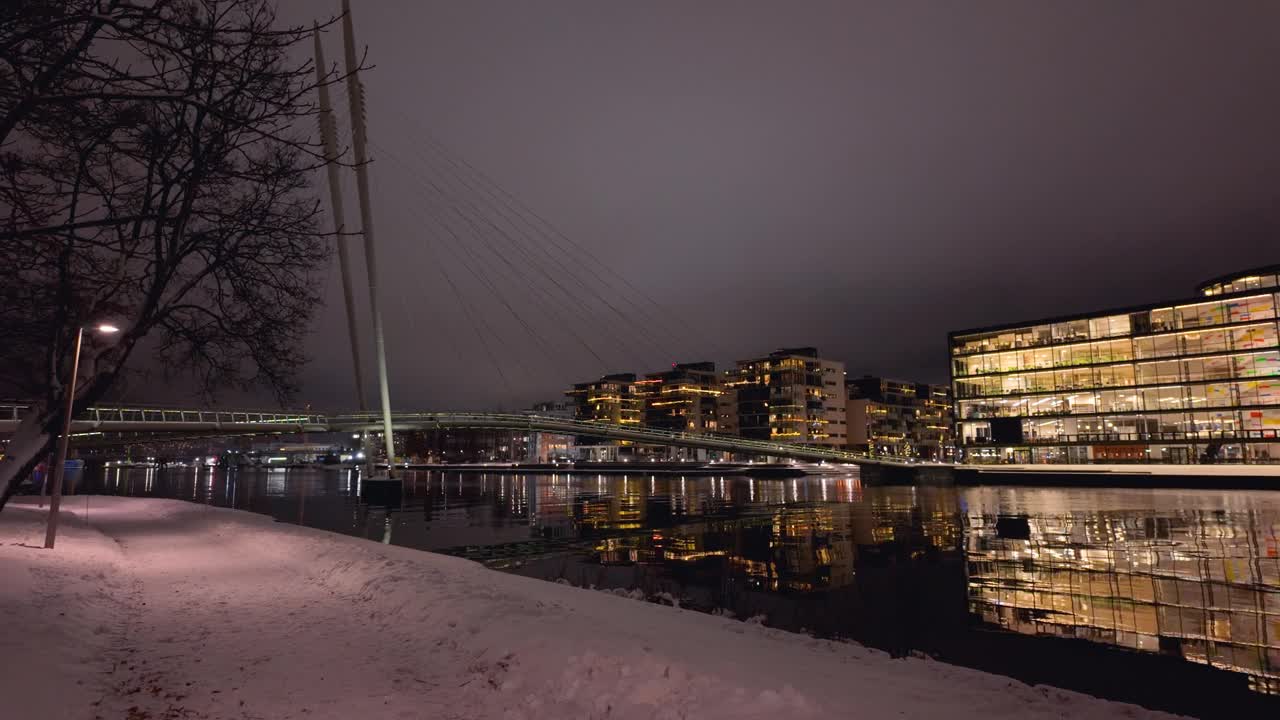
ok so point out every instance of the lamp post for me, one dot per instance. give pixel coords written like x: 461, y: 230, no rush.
x: 59, y: 466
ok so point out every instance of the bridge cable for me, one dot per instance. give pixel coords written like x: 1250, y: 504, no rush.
x: 476, y: 324
x: 510, y: 207
x: 507, y: 207
x: 474, y: 317
x: 470, y: 310
x: 473, y: 215
x: 505, y: 213
x: 557, y: 238
x: 475, y: 267
x: 443, y: 197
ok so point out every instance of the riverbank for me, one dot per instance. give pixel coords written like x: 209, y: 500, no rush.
x: 1218, y: 477
x: 165, y: 609
x: 688, y: 468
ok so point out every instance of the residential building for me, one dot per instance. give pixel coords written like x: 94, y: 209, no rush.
x: 902, y: 419
x: 463, y: 445
x: 1194, y: 380
x: 790, y: 395
x: 681, y: 399
x: 563, y: 409
x: 546, y: 447
x: 935, y: 434
x: 611, y: 399
x: 727, y: 404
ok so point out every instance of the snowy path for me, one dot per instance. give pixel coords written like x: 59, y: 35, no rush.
x: 163, y: 609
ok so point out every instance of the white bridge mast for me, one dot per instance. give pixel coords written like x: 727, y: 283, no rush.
x: 329, y: 136
x: 355, y: 93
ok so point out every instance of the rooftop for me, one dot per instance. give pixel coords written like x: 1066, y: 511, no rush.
x: 1231, y: 277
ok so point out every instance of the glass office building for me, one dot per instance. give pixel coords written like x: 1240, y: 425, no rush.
x: 1189, y: 381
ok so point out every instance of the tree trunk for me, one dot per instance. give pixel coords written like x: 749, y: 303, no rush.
x: 30, y: 443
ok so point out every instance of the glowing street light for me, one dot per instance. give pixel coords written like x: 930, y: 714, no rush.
x: 55, y: 498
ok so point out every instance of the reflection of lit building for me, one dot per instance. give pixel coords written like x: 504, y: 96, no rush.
x: 552, y: 502
x: 810, y: 549
x: 611, y: 503
x: 810, y: 541
x: 1175, y: 382
x: 904, y: 419
x: 791, y: 396
x: 1202, y: 585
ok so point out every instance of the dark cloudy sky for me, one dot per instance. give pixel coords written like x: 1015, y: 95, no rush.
x: 861, y: 177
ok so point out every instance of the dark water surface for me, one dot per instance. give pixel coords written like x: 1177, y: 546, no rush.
x: 1167, y: 598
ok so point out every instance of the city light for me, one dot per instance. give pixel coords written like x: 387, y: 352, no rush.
x: 60, y: 459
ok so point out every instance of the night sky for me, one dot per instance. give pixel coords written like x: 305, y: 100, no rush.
x: 860, y: 177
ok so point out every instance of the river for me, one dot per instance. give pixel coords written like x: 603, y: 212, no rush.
x: 1167, y: 598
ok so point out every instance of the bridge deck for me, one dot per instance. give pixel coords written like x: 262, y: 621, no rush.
x: 137, y: 419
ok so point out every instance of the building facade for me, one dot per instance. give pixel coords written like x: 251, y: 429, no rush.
x: 463, y: 445
x: 900, y: 419
x: 552, y: 447
x: 611, y: 399
x: 1196, y: 380
x: 682, y: 399
x: 935, y: 435
x: 790, y: 395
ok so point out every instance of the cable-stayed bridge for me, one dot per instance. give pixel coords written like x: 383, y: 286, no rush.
x: 124, y: 425
x: 520, y: 304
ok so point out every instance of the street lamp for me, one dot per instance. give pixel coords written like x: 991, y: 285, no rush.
x: 55, y: 496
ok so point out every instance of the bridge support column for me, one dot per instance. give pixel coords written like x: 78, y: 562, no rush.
x: 355, y: 94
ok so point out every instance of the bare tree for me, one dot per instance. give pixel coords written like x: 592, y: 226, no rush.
x: 154, y: 167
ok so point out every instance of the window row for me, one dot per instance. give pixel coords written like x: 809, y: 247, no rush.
x: 1067, y: 356
x: 1244, y: 284
x: 1182, y: 317
x: 1169, y: 397
x: 1195, y: 342
x: 1132, y: 427
x: 1191, y: 342
x: 1222, y: 367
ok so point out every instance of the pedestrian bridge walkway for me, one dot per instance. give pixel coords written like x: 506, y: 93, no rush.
x: 154, y: 423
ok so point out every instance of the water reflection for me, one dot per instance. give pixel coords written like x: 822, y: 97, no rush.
x: 1194, y: 577
x: 1167, y: 598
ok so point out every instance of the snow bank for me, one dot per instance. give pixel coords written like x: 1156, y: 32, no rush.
x: 178, y: 610
x: 59, y: 616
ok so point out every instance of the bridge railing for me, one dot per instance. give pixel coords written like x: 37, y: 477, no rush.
x: 202, y: 417
x: 550, y: 423
x: 123, y: 416
x: 12, y: 412
x: 174, y: 416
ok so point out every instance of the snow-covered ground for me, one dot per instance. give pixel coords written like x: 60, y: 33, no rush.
x: 164, y: 609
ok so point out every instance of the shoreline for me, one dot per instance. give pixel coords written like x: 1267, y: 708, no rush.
x: 1154, y: 476
x: 226, y: 614
x: 1202, y: 477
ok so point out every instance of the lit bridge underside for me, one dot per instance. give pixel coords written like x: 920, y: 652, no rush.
x: 159, y: 424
